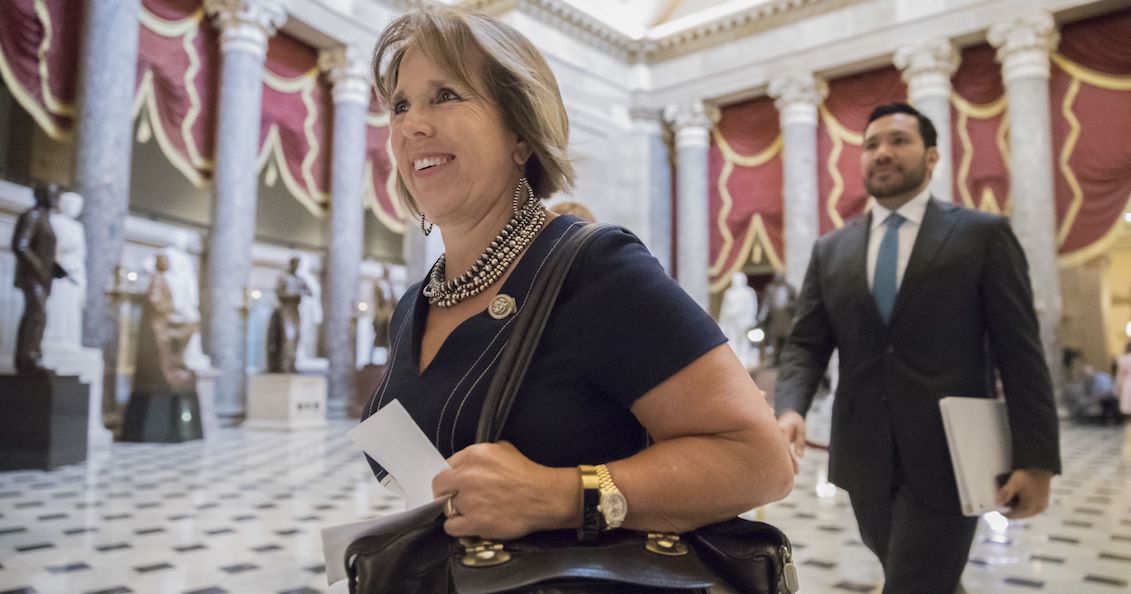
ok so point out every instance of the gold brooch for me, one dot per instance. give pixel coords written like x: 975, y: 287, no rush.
x: 501, y: 306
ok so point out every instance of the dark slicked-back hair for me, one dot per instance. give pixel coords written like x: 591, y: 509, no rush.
x: 926, y: 128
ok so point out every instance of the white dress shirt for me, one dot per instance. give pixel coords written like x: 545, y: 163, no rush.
x: 913, y: 212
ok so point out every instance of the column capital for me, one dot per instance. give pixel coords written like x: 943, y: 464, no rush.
x: 646, y: 119
x: 797, y: 97
x: 927, y: 67
x: 1024, y: 45
x: 347, y: 67
x: 691, y: 122
x: 247, y: 24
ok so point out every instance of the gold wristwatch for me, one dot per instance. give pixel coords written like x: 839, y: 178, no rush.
x: 613, y: 505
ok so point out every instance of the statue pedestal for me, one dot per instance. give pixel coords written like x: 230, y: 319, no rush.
x: 161, y: 417
x: 43, y: 421
x: 86, y: 363
x: 206, y: 396
x: 286, y: 401
x: 311, y: 365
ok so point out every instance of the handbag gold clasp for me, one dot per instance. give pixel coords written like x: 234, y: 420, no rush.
x: 665, y: 544
x: 483, y: 553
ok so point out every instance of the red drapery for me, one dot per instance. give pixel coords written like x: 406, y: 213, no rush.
x: 843, y: 116
x: 745, y: 194
x: 380, y: 181
x: 295, y: 122
x: 177, y: 80
x: 39, y: 43
x: 1091, y: 119
x: 980, y: 132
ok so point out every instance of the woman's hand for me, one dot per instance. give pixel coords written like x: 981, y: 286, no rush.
x: 501, y: 494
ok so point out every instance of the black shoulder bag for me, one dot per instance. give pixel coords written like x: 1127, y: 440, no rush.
x: 414, y: 554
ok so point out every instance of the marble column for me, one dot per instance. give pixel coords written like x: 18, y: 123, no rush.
x: 245, y: 26
x: 1023, y: 48
x: 348, y: 71
x: 653, y: 180
x: 104, y: 141
x: 691, y: 123
x: 927, y: 68
x: 797, y: 98
x: 420, y: 251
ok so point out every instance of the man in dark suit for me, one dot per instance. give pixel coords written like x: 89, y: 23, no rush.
x: 923, y: 299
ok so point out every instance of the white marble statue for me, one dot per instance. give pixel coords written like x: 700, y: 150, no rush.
x: 737, y: 316
x: 185, y: 291
x: 64, y: 305
x: 310, y: 314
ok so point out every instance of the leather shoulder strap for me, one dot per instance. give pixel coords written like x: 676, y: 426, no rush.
x: 527, y: 331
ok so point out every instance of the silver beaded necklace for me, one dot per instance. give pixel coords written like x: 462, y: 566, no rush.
x: 495, y: 260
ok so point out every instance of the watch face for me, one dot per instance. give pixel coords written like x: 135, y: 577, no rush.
x: 614, y: 507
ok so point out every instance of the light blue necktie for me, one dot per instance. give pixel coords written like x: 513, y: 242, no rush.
x: 884, y: 287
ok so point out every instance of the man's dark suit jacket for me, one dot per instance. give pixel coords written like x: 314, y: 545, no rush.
x: 964, y: 306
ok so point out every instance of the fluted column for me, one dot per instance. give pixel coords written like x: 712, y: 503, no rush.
x: 691, y: 123
x: 651, y: 159
x: 1023, y: 48
x: 246, y: 25
x: 797, y: 98
x: 927, y: 68
x: 102, y: 163
x: 348, y: 71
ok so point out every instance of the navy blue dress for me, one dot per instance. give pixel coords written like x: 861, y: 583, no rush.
x: 621, y: 327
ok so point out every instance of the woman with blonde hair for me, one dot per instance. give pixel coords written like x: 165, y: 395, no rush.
x: 480, y: 136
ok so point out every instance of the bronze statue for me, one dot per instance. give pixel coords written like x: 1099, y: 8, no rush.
x: 775, y: 317
x: 285, y: 327
x: 33, y: 244
x: 162, y: 338
x: 384, y: 302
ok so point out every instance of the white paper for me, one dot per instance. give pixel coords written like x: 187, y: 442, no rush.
x: 396, y: 442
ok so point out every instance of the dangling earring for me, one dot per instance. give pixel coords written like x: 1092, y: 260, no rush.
x: 427, y: 230
x: 518, y: 191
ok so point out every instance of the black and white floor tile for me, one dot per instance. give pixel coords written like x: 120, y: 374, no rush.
x: 1081, y: 545
x: 241, y: 513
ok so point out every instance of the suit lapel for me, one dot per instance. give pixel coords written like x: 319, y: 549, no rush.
x: 938, y: 222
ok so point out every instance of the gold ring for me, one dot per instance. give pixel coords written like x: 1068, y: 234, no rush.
x: 450, y: 508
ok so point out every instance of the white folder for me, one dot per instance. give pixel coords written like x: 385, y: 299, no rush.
x: 977, y: 434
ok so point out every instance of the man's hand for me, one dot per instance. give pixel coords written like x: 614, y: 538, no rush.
x: 1030, y: 487
x: 793, y: 425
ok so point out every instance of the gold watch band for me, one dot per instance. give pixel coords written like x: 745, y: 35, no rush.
x: 604, y: 478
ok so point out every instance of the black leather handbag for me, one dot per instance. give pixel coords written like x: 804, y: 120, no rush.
x: 414, y: 554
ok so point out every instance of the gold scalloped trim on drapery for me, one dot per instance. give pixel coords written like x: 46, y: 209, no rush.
x: 54, y: 105
x: 756, y: 230
x: 396, y: 222
x: 308, y: 195
x: 1082, y: 74
x: 194, y: 163
x: 840, y: 135
x: 987, y: 201
x: 1065, y: 168
x: 40, y: 112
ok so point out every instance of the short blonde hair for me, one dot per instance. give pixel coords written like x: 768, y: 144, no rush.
x: 515, y: 77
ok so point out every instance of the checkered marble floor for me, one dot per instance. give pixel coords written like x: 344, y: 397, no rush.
x: 240, y: 512
x: 1081, y: 545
